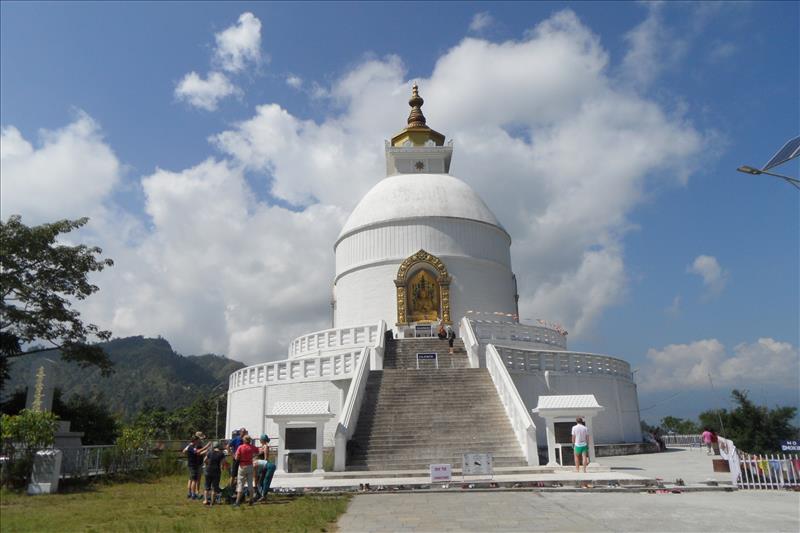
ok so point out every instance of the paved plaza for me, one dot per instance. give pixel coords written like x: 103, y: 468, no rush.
x: 559, y: 511
x: 587, y: 510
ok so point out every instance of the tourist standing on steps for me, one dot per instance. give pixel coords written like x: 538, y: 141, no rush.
x: 451, y: 337
x: 580, y: 444
x: 245, y: 454
x: 214, y: 463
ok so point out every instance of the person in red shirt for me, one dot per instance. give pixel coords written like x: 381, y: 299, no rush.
x: 244, y: 454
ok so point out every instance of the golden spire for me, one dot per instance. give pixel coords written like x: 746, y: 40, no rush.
x: 417, y: 133
x: 416, y: 119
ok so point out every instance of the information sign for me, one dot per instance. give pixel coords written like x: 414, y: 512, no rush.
x: 790, y: 446
x: 427, y: 357
x: 440, y: 473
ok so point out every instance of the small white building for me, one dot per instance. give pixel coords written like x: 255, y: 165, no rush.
x: 421, y: 249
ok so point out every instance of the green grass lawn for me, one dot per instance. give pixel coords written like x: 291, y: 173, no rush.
x: 161, y: 505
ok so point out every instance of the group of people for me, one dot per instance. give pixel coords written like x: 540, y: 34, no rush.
x: 250, y: 469
x: 447, y: 333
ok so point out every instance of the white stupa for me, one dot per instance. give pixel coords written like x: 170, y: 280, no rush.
x: 422, y: 250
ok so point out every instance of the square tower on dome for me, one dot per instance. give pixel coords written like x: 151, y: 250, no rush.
x: 418, y: 148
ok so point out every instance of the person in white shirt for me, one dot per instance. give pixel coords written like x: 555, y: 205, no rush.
x: 580, y: 444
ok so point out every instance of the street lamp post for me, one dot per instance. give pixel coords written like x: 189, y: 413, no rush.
x: 755, y: 172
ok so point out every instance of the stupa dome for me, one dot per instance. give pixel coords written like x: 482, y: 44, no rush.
x: 410, y: 196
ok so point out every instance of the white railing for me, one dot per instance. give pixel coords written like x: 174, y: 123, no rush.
x: 772, y: 471
x: 331, y: 339
x: 470, y: 342
x: 502, y: 332
x: 536, y: 361
x: 334, y: 366
x: 348, y: 419
x: 518, y: 414
x: 379, y: 348
x: 682, y: 441
x: 86, y: 461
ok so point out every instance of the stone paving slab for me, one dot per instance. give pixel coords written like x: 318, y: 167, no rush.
x: 546, y: 511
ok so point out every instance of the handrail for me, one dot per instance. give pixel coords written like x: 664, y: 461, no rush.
x: 317, y: 342
x: 470, y: 342
x: 518, y: 415
x: 348, y: 419
x: 380, y: 347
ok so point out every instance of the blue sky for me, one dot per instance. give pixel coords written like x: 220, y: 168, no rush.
x: 657, y: 252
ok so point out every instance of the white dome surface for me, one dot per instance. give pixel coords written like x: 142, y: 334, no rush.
x: 405, y: 196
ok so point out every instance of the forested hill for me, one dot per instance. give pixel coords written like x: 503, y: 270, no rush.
x: 146, y: 372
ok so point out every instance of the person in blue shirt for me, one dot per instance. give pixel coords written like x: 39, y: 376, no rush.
x: 194, y: 461
x: 233, y: 444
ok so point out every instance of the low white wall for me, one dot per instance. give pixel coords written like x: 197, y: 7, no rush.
x: 248, y: 407
x: 619, y: 422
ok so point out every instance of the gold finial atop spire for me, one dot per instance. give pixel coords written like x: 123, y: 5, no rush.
x: 417, y: 133
x: 416, y: 119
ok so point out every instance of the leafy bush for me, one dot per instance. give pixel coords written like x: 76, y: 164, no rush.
x: 22, y: 436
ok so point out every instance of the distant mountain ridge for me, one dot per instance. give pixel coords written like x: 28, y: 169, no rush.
x: 147, y: 371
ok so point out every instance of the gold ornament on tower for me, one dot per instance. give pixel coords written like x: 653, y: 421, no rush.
x: 423, y: 290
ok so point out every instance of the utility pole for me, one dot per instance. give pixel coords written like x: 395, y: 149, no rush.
x: 719, y: 416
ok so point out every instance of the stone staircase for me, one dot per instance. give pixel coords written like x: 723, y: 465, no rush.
x: 411, y: 418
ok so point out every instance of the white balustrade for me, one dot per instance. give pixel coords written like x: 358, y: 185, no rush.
x: 471, y: 343
x: 333, y: 366
x: 348, y: 419
x: 518, y: 415
x: 500, y: 332
x: 535, y: 361
x: 331, y: 339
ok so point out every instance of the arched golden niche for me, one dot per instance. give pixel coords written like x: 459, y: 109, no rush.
x: 423, y: 290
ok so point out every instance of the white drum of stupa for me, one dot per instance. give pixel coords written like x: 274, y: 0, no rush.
x: 421, y: 246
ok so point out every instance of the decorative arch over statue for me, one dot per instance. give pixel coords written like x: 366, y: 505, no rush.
x: 423, y: 290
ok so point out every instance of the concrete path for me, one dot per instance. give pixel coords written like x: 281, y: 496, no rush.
x: 690, y: 464
x: 541, y: 511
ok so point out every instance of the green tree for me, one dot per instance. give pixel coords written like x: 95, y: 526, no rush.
x: 680, y: 426
x: 38, y: 278
x: 753, y: 428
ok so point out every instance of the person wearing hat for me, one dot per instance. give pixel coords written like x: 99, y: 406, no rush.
x: 265, y: 469
x: 194, y: 461
x: 214, y: 463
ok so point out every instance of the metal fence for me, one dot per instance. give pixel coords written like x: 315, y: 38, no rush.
x: 771, y: 471
x: 86, y: 461
x: 682, y: 441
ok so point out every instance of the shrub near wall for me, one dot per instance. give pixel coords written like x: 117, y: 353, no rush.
x: 22, y: 436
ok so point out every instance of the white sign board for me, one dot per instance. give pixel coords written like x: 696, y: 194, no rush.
x: 441, y: 473
x: 477, y: 464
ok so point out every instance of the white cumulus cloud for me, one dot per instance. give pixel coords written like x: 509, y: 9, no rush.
x: 295, y: 82
x: 480, y: 21
x: 687, y: 366
x: 714, y: 276
x: 205, y: 93
x: 239, y: 44
x: 68, y: 174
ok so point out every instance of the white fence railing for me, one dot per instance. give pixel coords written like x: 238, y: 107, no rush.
x: 682, y: 441
x: 471, y: 343
x: 772, y: 471
x: 518, y: 414
x: 334, y: 366
x: 535, y: 361
x: 348, y: 419
x: 500, y: 332
x: 330, y: 339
